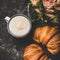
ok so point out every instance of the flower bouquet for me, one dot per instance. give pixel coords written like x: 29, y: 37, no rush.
x: 45, y: 10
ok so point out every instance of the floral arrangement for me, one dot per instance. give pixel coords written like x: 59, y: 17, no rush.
x: 45, y: 10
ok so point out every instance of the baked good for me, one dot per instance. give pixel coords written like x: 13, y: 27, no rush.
x: 35, y: 52
x: 49, y: 37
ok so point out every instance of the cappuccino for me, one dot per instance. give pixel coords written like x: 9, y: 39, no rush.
x: 19, y: 26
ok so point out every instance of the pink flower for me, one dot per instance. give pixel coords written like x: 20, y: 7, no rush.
x: 48, y: 3
x: 50, y: 15
x: 37, y: 10
x: 34, y: 2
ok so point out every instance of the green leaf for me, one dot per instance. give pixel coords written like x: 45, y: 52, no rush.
x: 55, y: 18
x: 32, y: 20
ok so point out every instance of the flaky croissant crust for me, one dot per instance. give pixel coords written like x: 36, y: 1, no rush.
x: 49, y: 37
x: 34, y: 52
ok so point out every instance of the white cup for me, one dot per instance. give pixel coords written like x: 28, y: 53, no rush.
x: 18, y: 25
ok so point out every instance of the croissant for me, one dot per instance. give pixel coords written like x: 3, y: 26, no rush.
x: 35, y: 52
x: 49, y: 37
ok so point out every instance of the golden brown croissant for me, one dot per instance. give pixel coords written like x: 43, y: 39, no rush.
x: 49, y: 37
x: 35, y: 52
x: 54, y: 44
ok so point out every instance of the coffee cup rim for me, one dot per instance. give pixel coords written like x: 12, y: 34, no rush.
x: 12, y: 18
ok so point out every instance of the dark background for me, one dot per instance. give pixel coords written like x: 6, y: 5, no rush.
x: 12, y: 48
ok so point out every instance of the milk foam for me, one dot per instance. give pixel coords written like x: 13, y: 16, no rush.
x: 19, y: 26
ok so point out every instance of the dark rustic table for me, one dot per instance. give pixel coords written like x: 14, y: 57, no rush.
x: 12, y: 48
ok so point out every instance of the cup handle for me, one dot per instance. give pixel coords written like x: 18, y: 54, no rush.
x: 7, y: 19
